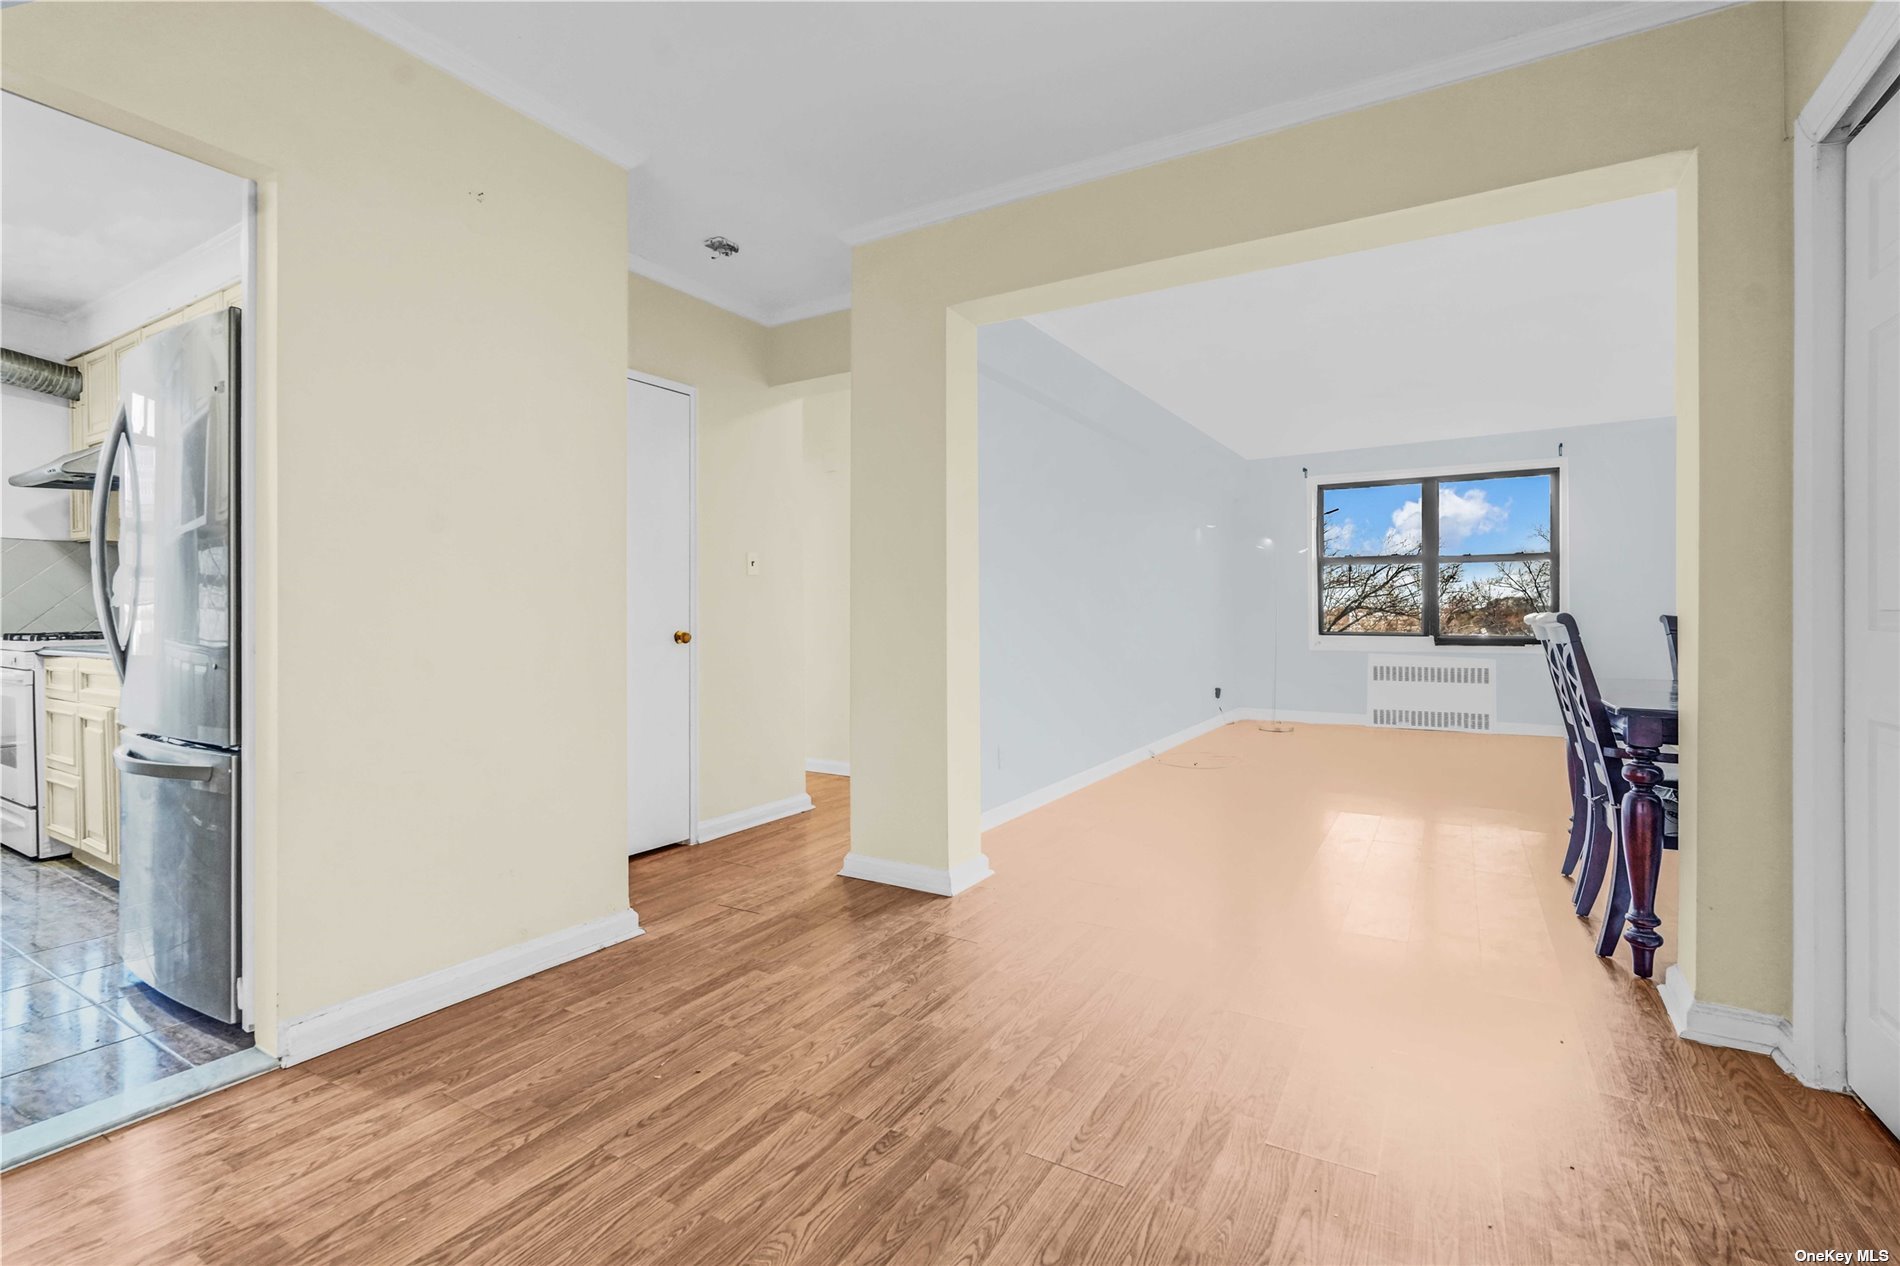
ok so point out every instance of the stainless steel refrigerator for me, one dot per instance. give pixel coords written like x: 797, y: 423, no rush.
x: 169, y: 611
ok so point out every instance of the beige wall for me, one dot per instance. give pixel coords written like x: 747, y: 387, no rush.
x: 817, y: 347
x: 827, y: 547
x: 442, y: 314
x: 1702, y: 102
x: 751, y: 500
x: 1816, y: 32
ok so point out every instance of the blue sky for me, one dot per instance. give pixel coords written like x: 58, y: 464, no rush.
x: 1475, y: 516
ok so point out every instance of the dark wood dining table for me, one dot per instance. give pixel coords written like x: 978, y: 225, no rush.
x: 1643, y: 717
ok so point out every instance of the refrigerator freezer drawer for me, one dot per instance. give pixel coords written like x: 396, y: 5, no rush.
x: 178, y: 880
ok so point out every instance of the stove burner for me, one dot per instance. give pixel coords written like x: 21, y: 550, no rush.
x: 93, y: 636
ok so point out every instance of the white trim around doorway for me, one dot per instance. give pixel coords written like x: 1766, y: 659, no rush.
x: 249, y: 731
x: 1816, y: 1050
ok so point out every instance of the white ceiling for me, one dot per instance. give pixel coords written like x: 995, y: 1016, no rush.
x: 799, y: 129
x: 85, y: 211
x: 1562, y: 320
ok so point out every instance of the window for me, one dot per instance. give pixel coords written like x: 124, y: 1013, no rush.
x: 1459, y: 559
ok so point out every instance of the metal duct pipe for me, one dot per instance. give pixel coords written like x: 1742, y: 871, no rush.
x: 48, y: 377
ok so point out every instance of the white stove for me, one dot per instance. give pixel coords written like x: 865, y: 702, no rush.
x: 77, y: 639
x: 21, y: 720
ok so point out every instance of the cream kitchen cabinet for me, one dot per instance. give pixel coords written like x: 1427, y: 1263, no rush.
x: 81, y: 778
x: 92, y: 416
x: 59, y: 760
x: 99, y: 371
x: 99, y: 401
x: 98, y: 404
x: 99, y: 783
x: 226, y: 298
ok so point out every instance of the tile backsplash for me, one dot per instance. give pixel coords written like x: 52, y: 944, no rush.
x: 45, y: 586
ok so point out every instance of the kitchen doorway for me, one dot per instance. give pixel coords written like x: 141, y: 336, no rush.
x: 662, y: 657
x: 127, y: 275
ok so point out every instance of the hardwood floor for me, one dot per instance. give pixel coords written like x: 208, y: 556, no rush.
x: 1319, y: 998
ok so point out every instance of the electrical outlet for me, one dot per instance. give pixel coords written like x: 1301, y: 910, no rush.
x: 1217, y: 692
x: 751, y: 564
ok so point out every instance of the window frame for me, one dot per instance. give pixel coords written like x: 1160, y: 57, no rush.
x: 1428, y: 558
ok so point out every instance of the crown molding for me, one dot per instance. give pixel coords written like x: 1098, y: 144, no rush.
x: 824, y: 306
x: 667, y: 275
x: 671, y: 277
x: 378, y: 20
x: 204, y: 269
x: 41, y: 313
x: 34, y: 332
x: 1521, y: 50
x: 219, y: 254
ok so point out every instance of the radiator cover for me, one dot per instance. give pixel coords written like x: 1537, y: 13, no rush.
x: 1430, y: 692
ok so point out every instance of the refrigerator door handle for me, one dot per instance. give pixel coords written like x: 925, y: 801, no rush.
x: 132, y: 763
x: 101, y: 491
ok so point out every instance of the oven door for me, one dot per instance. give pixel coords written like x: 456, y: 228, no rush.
x: 20, y: 828
x: 19, y: 763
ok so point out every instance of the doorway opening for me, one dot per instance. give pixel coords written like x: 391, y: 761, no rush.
x: 128, y: 272
x: 1256, y: 554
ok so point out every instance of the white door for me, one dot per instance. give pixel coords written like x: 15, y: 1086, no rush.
x: 1872, y: 624
x: 659, y: 616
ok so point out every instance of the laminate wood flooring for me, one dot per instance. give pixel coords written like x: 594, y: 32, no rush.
x: 1322, y: 1000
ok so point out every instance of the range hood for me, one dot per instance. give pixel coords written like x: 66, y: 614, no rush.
x: 71, y: 473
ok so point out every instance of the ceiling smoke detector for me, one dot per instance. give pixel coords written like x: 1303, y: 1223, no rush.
x: 721, y: 248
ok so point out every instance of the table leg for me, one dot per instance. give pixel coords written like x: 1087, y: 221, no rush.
x: 1642, y: 854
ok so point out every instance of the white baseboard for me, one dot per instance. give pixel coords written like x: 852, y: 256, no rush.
x: 1714, y: 1024
x: 308, y: 1036
x: 757, y: 815
x: 944, y: 883
x: 1297, y: 718
x: 1801, y: 1062
x: 1526, y: 728
x: 1075, y: 782
x: 818, y: 765
x: 1350, y: 718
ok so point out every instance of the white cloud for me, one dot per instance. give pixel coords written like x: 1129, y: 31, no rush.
x: 1461, y: 516
x: 1403, y: 536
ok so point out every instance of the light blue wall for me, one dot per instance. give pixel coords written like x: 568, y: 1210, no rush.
x: 1111, y: 610
x: 1619, y: 551
x: 1106, y: 603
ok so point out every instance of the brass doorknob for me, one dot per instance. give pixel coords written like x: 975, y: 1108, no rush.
x: 682, y: 637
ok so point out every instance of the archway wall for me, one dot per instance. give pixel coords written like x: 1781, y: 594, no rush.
x: 1697, y: 107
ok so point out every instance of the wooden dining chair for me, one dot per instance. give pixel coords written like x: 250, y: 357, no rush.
x: 1594, y: 782
x: 1669, y: 631
x: 1603, y: 785
x: 1580, y: 798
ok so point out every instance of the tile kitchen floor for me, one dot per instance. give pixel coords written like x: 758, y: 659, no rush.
x: 75, y: 1027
